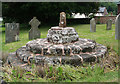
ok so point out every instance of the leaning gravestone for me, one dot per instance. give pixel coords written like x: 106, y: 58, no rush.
x: 92, y: 25
x: 109, y: 24
x: 34, y: 31
x: 117, y: 28
x: 11, y: 32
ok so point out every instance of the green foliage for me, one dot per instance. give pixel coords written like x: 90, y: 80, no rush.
x: 91, y: 16
x: 18, y: 74
x: 111, y: 7
x: 44, y: 11
x: 98, y: 22
x: 59, y: 73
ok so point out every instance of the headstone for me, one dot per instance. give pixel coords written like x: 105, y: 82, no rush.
x: 11, y: 32
x: 92, y: 25
x: 109, y: 24
x: 62, y: 19
x: 117, y: 28
x: 34, y: 31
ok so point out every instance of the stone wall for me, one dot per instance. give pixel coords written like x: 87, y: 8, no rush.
x: 103, y: 19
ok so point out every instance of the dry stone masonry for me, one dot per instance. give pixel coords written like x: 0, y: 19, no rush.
x: 62, y: 46
x: 62, y: 35
x: 11, y: 32
x: 92, y: 25
x: 34, y: 31
x: 109, y: 24
x: 117, y: 28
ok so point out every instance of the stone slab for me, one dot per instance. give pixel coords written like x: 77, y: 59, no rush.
x: 117, y: 27
x: 11, y: 32
x: 109, y: 24
x: 92, y: 25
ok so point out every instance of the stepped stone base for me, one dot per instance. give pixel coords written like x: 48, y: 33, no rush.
x: 62, y: 46
x: 42, y: 52
x: 43, y: 47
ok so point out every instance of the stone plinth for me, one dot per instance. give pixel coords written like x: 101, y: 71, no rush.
x: 43, y: 47
x: 42, y: 52
x: 60, y: 35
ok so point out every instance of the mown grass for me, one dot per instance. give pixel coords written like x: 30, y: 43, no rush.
x: 102, y: 36
x: 67, y: 73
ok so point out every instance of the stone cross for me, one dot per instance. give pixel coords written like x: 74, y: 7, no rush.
x: 11, y: 32
x: 62, y: 19
x: 34, y: 31
x: 92, y: 25
x: 109, y: 24
x: 117, y: 27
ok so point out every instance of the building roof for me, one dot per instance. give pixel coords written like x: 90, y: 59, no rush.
x: 101, y: 9
x: 1, y: 19
x: 118, y: 2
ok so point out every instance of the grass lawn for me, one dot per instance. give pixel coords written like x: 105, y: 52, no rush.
x: 102, y: 36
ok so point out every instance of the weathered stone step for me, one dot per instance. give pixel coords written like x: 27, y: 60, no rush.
x: 27, y: 57
x: 41, y: 46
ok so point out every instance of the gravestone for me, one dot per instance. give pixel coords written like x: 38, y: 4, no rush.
x: 34, y: 31
x: 1, y: 59
x: 109, y: 24
x: 11, y: 32
x: 62, y: 19
x: 92, y: 25
x: 117, y: 28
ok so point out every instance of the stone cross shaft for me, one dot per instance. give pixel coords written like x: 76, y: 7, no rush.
x: 62, y: 19
x: 34, y: 23
x: 34, y: 31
